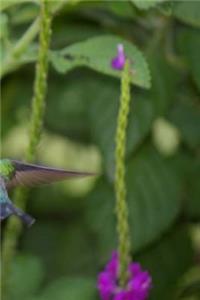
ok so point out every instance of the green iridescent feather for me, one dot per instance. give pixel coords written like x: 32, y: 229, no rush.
x: 6, y: 169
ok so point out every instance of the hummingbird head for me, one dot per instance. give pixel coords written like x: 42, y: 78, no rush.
x: 6, y: 169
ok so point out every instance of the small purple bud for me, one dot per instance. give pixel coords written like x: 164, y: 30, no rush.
x: 118, y: 62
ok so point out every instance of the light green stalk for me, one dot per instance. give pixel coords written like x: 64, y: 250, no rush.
x: 120, y: 186
x: 14, y: 226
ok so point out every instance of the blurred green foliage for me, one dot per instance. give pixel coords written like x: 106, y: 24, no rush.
x: 60, y: 256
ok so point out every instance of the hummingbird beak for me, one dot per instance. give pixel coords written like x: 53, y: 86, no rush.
x: 7, y: 209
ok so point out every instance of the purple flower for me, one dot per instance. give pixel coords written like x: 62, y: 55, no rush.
x: 118, y: 62
x: 138, y: 285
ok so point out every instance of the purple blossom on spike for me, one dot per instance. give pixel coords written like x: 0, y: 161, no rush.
x: 118, y: 62
x: 138, y: 285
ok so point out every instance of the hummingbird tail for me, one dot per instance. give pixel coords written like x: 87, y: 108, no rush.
x: 7, y: 209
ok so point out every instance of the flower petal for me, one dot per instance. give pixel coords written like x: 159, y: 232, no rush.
x: 138, y: 286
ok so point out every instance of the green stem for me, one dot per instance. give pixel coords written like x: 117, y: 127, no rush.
x: 120, y: 187
x: 15, y: 54
x: 40, y: 86
x: 14, y: 226
x: 11, y: 60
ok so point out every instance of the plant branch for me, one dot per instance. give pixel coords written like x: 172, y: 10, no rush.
x: 120, y: 186
x: 14, y: 226
x: 21, y: 46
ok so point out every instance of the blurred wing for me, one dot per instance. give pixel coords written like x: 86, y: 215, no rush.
x: 31, y: 175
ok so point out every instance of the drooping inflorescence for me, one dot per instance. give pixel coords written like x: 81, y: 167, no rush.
x: 122, y: 279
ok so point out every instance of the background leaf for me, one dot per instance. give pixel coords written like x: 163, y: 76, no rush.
x: 192, y: 208
x: 104, y: 122
x: 26, y: 277
x: 146, y: 4
x: 153, y: 198
x: 97, y: 53
x: 167, y: 261
x: 189, y: 46
x: 72, y: 249
x: 187, y: 12
x: 164, y: 86
x: 186, y: 116
x: 69, y: 288
x: 7, y: 4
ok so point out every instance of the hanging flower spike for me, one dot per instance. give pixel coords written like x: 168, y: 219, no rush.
x: 118, y: 62
x: 138, y: 285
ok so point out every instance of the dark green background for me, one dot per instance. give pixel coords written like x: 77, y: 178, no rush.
x: 75, y: 233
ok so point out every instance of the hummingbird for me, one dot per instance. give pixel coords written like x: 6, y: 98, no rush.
x: 17, y: 173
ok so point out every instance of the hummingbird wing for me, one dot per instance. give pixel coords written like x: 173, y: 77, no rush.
x: 31, y: 175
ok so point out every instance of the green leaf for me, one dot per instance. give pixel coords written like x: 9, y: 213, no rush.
x: 73, y: 32
x: 9, y: 66
x: 23, y: 14
x: 7, y: 3
x: 103, y: 123
x: 188, y: 168
x: 146, y: 4
x: 68, y: 114
x: 164, y: 81
x: 26, y: 276
x: 192, y: 206
x: 185, y: 115
x: 100, y: 219
x: 153, y: 200
x: 15, y: 96
x: 187, y: 12
x: 4, y: 28
x: 188, y: 43
x: 72, y: 250
x: 167, y: 261
x: 77, y: 113
x: 97, y: 53
x: 70, y: 289
x: 190, y: 285
x: 166, y: 7
x: 122, y: 9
